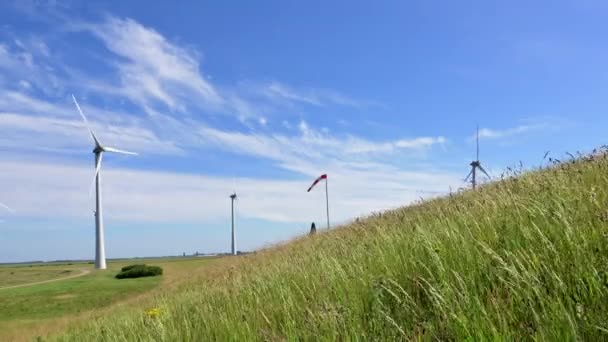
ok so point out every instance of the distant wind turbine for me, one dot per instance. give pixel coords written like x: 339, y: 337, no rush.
x: 100, y: 253
x: 475, y: 164
x: 233, y: 198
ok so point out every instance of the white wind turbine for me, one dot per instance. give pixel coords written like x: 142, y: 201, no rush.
x: 100, y: 253
x: 233, y: 198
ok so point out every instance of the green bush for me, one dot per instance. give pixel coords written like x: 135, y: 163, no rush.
x: 126, y: 268
x: 137, y: 271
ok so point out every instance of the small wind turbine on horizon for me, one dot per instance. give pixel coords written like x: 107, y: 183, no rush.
x: 233, y: 198
x: 476, y: 164
x: 100, y: 252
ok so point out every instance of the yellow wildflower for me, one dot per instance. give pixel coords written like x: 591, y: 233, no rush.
x: 153, y: 312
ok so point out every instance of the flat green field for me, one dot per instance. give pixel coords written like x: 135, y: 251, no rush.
x: 30, y: 311
x: 16, y: 276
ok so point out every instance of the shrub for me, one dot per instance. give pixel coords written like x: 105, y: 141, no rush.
x: 130, y: 267
x: 137, y: 271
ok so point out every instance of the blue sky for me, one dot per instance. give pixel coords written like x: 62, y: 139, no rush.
x: 382, y: 96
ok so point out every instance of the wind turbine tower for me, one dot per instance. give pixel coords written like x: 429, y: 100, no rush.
x: 232, y: 199
x: 476, y: 164
x: 98, y: 150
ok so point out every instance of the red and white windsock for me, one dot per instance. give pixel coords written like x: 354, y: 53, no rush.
x: 317, y: 181
x: 321, y: 177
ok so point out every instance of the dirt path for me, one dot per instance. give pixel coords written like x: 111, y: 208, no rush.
x: 82, y: 272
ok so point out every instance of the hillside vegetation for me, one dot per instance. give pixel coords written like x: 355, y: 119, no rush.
x: 526, y: 257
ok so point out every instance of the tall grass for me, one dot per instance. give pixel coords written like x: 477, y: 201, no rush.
x: 523, y: 258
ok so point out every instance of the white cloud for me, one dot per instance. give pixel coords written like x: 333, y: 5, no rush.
x: 25, y: 84
x: 30, y: 124
x: 488, y: 133
x: 23, y: 65
x: 302, y: 152
x: 278, y: 91
x: 19, y: 102
x: 303, y: 126
x: 40, y: 189
x: 6, y: 207
x: 161, y: 77
x: 154, y: 69
x: 363, y: 146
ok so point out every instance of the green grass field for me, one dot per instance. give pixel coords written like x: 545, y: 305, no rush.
x: 15, y: 276
x: 31, y: 311
x: 525, y: 258
x: 69, y: 296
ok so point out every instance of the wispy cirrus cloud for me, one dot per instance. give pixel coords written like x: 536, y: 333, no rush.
x: 152, y: 68
x: 276, y: 96
x: 166, y: 81
x: 364, y: 146
x: 311, y: 147
x: 278, y: 91
x: 159, y: 74
x: 24, y: 67
x: 155, y: 99
x: 28, y: 123
x: 488, y: 133
x: 6, y: 207
x: 24, y: 132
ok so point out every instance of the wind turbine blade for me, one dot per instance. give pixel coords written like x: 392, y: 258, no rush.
x: 484, y: 171
x: 95, y: 175
x: 6, y: 207
x: 468, y: 176
x: 115, y: 150
x: 86, y: 121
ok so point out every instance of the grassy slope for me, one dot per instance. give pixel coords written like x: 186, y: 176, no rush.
x: 523, y: 258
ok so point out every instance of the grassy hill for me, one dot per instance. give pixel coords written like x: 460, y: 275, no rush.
x: 526, y: 257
